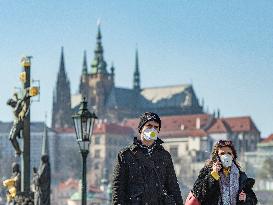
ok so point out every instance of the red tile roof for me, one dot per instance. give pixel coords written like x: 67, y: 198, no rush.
x: 171, y: 123
x: 241, y: 124
x: 94, y: 189
x: 103, y: 128
x: 178, y: 125
x: 113, y: 129
x: 187, y: 125
x: 64, y: 130
x: 218, y: 126
x: 182, y: 133
x: 69, y: 184
x: 268, y: 139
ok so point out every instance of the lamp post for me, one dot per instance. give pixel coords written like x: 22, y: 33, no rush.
x: 84, y: 124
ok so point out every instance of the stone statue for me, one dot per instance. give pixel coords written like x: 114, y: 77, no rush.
x: 42, y: 183
x: 34, y: 184
x: 16, y: 174
x: 14, y: 183
x: 20, y: 110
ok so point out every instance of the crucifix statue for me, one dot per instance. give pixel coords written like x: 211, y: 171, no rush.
x: 20, y: 110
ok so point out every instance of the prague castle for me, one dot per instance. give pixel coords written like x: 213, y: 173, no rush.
x: 97, y: 84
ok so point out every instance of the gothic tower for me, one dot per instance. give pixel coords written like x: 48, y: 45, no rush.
x: 96, y: 86
x: 61, y: 110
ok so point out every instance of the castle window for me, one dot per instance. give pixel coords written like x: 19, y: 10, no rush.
x: 97, y: 140
x: 97, y: 165
x: 97, y: 153
x: 174, y: 151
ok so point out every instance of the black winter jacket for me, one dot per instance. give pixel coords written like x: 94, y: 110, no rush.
x: 207, y: 190
x: 136, y: 173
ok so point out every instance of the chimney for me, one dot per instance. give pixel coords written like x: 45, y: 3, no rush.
x: 182, y: 127
x: 198, y: 123
x: 218, y: 113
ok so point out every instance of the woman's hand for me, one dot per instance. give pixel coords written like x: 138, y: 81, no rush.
x: 217, y: 166
x: 242, y: 196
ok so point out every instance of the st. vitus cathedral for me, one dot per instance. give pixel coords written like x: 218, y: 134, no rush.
x: 112, y: 103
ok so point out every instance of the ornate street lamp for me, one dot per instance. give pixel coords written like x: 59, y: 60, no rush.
x: 84, y: 124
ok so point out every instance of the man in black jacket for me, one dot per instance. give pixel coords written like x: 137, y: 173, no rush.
x: 144, y: 172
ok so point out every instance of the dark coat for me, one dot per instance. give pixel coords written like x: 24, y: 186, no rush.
x: 207, y: 190
x: 136, y: 173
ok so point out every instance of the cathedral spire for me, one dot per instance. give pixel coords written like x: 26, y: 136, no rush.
x: 99, y: 65
x: 84, y: 65
x: 136, y: 83
x: 61, y: 110
x: 62, y: 66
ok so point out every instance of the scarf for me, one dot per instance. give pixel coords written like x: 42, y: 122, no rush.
x: 229, y: 186
x: 146, y: 150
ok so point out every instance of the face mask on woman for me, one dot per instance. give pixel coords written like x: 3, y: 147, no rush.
x: 150, y: 134
x: 226, y: 160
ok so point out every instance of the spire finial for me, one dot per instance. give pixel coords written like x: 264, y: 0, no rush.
x: 84, y: 65
x: 99, y: 32
x: 136, y: 82
x: 62, y: 60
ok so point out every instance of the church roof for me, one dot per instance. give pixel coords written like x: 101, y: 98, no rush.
x: 151, y: 98
x: 160, y: 94
x: 121, y: 98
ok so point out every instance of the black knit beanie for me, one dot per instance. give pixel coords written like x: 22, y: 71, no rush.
x: 146, y: 117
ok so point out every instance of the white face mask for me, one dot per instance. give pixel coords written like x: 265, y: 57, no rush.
x: 150, y: 134
x: 226, y: 160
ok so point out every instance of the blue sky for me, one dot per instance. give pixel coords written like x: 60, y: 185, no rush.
x: 224, y: 48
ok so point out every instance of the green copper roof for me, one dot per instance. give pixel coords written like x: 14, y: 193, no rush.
x: 98, y: 64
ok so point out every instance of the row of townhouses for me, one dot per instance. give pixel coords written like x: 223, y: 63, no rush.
x: 189, y: 139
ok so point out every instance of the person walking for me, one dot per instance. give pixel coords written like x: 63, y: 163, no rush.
x: 144, y: 171
x: 221, y: 181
